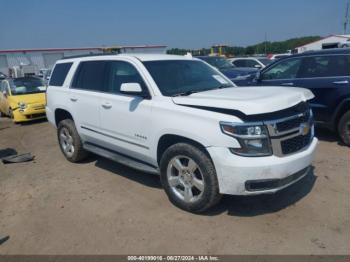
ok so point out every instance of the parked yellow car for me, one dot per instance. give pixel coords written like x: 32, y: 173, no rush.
x: 23, y: 99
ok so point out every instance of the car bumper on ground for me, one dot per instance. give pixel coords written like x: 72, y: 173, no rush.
x: 28, y: 114
x: 259, y: 175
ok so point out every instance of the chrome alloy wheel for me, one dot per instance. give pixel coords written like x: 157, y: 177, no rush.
x: 185, y: 178
x: 66, y: 142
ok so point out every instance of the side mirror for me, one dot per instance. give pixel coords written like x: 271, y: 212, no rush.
x: 258, y: 66
x: 4, y: 93
x: 132, y: 88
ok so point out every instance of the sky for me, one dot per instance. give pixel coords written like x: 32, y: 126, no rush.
x: 175, y: 23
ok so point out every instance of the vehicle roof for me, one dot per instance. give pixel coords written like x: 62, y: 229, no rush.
x: 153, y: 57
x: 332, y: 51
x: 209, y: 56
x: 141, y: 57
x: 248, y: 57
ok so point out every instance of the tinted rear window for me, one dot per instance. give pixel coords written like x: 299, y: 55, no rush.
x: 325, y: 66
x: 91, y: 76
x: 59, y: 74
x: 240, y: 63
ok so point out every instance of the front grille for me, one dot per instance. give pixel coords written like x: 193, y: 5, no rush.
x: 295, y: 144
x: 292, y: 133
x: 38, y: 107
x: 36, y: 116
x: 293, y: 123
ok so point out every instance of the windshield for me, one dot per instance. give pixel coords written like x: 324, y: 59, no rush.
x: 23, y: 86
x: 175, y: 77
x: 265, y: 61
x: 218, y: 62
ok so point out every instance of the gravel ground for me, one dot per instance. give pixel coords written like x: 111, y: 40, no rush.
x: 51, y: 206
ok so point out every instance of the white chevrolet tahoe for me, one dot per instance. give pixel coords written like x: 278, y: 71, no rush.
x: 181, y: 118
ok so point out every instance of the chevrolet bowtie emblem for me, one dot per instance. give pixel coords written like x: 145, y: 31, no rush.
x: 304, y: 129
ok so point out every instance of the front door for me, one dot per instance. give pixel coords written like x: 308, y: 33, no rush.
x: 126, y: 119
x: 283, y: 73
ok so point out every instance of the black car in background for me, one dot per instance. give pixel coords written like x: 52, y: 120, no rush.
x: 327, y: 74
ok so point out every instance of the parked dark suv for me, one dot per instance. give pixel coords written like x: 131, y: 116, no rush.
x: 327, y: 74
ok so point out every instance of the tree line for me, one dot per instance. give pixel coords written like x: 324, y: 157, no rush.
x: 260, y: 48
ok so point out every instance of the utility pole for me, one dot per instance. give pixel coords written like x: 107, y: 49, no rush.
x: 346, y: 20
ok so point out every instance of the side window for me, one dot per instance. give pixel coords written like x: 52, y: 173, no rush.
x: 59, y: 74
x: 90, y: 75
x: 120, y: 72
x: 287, y: 69
x: 252, y: 63
x: 325, y: 66
x: 4, y: 87
x: 240, y: 63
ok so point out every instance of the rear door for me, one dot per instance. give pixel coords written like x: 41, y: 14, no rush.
x: 85, y: 98
x: 328, y: 77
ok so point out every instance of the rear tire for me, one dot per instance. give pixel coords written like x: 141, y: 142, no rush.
x: 189, y: 178
x: 344, y: 128
x: 70, y: 142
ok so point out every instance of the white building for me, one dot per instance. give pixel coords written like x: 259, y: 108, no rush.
x: 331, y: 41
x: 45, y: 58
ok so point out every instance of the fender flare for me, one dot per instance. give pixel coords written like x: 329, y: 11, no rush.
x: 338, y: 110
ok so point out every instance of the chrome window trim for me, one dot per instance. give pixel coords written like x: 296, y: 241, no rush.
x: 302, y: 78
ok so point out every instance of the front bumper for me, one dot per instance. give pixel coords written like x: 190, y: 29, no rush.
x: 32, y: 112
x: 236, y: 173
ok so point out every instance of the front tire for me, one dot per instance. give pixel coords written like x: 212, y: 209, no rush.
x: 10, y: 114
x: 344, y: 128
x: 70, y: 142
x: 189, y: 178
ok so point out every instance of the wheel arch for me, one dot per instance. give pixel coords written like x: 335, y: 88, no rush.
x: 342, y: 108
x: 167, y: 140
x: 61, y: 114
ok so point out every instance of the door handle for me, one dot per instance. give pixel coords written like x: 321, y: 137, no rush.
x: 287, y: 84
x: 73, y: 99
x: 107, y: 105
x: 345, y: 82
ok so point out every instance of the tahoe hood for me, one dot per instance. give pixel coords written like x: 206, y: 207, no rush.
x: 248, y: 100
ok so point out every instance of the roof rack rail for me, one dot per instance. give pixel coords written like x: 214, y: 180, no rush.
x: 88, y: 55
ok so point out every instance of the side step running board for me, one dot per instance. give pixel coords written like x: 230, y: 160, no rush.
x: 121, y: 159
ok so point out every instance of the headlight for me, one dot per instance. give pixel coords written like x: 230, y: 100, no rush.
x: 22, y: 106
x: 253, y: 138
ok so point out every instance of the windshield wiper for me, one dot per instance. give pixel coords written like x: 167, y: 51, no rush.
x: 221, y: 87
x: 190, y: 92
x: 187, y: 93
